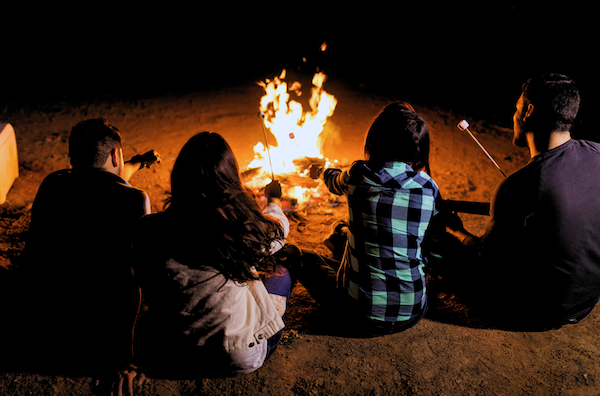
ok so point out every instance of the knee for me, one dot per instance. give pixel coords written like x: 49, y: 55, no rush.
x: 290, y: 256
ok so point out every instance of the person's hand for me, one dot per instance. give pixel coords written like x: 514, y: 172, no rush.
x: 123, y: 385
x: 273, y: 190
x: 315, y: 171
x: 452, y: 221
x: 454, y: 226
x: 148, y: 159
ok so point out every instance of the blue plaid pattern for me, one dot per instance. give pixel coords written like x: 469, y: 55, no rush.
x: 389, y: 212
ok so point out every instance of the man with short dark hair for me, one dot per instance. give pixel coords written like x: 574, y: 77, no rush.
x: 541, y: 247
x: 77, y: 251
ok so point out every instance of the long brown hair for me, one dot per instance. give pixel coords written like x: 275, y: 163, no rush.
x: 220, y: 221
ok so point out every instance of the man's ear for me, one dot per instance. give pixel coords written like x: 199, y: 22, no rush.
x: 528, y: 112
x: 116, y: 156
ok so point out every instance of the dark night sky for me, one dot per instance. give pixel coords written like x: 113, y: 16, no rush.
x: 473, y: 55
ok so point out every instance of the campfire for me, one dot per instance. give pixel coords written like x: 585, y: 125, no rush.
x: 297, y: 142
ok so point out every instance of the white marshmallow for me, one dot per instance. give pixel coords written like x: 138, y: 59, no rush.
x: 463, y: 125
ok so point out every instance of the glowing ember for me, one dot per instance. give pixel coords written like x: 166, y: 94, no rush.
x: 296, y: 131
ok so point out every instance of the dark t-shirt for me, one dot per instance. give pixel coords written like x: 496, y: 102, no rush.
x: 543, y: 242
x: 81, y: 223
x: 77, y: 270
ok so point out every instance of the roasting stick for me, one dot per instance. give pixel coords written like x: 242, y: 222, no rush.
x: 293, y: 138
x: 262, y: 122
x: 464, y: 126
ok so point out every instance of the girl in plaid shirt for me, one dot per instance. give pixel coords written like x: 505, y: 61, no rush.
x: 391, y: 200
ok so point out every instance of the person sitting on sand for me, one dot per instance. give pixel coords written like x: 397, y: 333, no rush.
x: 391, y: 200
x: 77, y: 271
x: 207, y: 267
x: 539, y: 259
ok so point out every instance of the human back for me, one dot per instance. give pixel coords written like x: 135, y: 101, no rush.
x: 549, y: 236
x: 76, y: 268
x: 391, y: 201
x: 201, y: 265
x: 390, y: 210
x: 539, y: 259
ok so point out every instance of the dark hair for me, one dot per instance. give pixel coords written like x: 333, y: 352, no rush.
x: 212, y: 208
x: 91, y: 142
x: 555, y: 98
x: 397, y: 133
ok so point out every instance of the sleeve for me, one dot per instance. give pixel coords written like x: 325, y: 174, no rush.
x: 336, y: 180
x: 274, y: 210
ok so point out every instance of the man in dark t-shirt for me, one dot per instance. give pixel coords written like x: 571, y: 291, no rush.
x: 78, y: 274
x: 541, y: 251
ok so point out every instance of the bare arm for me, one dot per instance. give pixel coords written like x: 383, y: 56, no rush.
x: 454, y: 227
x: 273, y: 207
x: 147, y: 207
x: 138, y: 162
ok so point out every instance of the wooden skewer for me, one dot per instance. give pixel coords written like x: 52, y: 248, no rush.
x: 464, y: 126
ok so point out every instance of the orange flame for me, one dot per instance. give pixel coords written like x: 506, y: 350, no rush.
x: 296, y: 131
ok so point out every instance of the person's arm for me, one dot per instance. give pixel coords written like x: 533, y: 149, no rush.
x: 138, y: 162
x: 123, y: 383
x: 455, y: 228
x: 454, y: 225
x: 336, y: 180
x: 273, y: 208
x: 147, y: 206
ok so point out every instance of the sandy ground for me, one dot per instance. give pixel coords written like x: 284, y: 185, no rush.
x: 445, y: 354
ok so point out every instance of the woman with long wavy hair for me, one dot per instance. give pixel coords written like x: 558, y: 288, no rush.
x: 214, y: 295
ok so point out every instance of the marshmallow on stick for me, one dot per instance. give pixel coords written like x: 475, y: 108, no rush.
x: 464, y: 126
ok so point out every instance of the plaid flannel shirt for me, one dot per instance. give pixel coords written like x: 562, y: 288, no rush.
x: 389, y: 212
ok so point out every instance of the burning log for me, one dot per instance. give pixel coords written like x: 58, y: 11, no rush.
x: 297, y: 144
x: 296, y: 131
x: 250, y: 174
x: 295, y: 180
x: 304, y: 163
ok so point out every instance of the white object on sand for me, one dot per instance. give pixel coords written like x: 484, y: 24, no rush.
x: 9, y: 164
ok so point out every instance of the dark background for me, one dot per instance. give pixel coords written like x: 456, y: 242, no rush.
x: 462, y: 56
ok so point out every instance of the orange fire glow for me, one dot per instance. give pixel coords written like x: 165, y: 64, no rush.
x: 296, y: 131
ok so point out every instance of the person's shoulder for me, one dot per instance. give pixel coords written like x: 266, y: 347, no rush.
x: 428, y: 181
x: 588, y: 145
x: 360, y: 164
x: 63, y: 175
x: 522, y: 180
x: 52, y: 192
x: 358, y: 168
x: 122, y: 187
x: 113, y: 192
x: 60, y: 180
x: 129, y: 189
